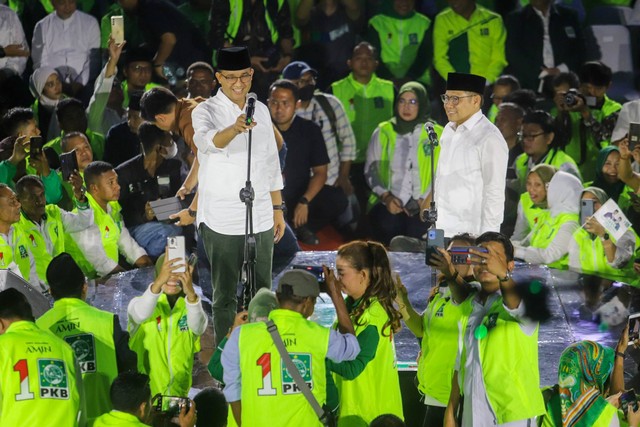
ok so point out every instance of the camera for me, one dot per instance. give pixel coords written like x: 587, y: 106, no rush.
x: 170, y: 405
x: 571, y: 97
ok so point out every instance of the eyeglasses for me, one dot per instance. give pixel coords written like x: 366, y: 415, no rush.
x: 403, y: 101
x: 524, y: 136
x: 453, y: 99
x: 141, y: 68
x: 245, y: 78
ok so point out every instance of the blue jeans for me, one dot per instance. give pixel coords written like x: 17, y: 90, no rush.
x: 152, y: 236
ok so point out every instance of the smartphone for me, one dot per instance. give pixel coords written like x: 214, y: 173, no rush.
x: 634, y: 135
x: 586, y: 210
x: 461, y: 254
x: 117, y: 29
x: 435, y: 240
x: 35, y: 146
x: 628, y: 399
x: 634, y: 327
x: 171, y: 405
x: 176, y: 249
x: 313, y: 269
x: 68, y: 164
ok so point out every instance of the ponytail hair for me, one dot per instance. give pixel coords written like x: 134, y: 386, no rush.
x: 372, y: 256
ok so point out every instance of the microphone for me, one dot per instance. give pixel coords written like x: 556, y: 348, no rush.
x: 251, y: 107
x: 433, y: 138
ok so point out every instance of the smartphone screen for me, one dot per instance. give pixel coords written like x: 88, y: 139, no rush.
x: 586, y: 210
x: 634, y: 328
x: 117, y: 29
x: 35, y: 145
x: 68, y: 164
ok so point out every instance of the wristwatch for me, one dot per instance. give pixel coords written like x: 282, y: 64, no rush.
x: 280, y: 207
x: 303, y: 200
x: 506, y: 278
x: 192, y: 213
x: 605, y: 237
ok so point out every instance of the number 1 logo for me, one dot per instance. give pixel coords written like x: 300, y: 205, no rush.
x: 22, y: 368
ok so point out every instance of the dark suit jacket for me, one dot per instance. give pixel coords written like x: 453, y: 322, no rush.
x: 525, y: 39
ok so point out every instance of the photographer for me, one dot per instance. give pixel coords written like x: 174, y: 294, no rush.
x: 398, y: 167
x: 587, y: 116
x: 166, y: 323
x: 131, y: 400
x: 499, y: 340
x: 437, y: 326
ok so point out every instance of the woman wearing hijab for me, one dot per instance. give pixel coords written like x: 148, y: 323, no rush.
x: 46, y: 87
x: 548, y: 242
x: 589, y: 372
x: 607, y: 176
x: 398, y: 167
x: 593, y: 251
x: 533, y: 206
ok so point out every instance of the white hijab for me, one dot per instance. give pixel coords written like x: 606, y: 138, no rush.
x: 563, y: 194
x: 38, y: 81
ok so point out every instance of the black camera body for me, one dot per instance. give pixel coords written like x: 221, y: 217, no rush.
x: 571, y: 97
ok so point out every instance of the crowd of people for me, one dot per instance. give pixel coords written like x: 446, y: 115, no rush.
x: 386, y: 120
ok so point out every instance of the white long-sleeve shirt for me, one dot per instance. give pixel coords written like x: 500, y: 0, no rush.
x: 141, y: 308
x: 223, y: 171
x: 71, y: 46
x: 90, y: 243
x: 11, y: 32
x: 470, y: 177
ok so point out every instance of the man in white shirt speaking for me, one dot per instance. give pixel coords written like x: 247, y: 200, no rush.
x: 222, y: 135
x: 471, y: 171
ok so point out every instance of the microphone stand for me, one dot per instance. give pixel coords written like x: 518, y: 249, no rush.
x: 430, y: 216
x: 248, y: 275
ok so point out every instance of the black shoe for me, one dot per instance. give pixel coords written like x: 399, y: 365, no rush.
x: 306, y: 236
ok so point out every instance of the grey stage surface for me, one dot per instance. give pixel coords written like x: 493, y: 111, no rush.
x: 573, y: 303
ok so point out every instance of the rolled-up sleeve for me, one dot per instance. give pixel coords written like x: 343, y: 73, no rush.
x: 204, y: 129
x: 342, y: 346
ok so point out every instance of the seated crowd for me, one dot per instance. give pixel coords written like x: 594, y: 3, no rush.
x: 380, y: 123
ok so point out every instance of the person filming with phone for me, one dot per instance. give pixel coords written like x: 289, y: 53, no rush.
x: 165, y: 324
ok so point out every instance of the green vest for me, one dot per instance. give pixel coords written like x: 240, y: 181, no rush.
x: 37, y: 378
x: 388, y: 138
x: 89, y: 332
x: 587, y: 163
x: 440, y: 346
x: 235, y: 19
x: 554, y: 157
x: 17, y: 252
x: 594, y: 261
x: 109, y: 225
x: 165, y: 347
x: 125, y: 90
x: 42, y: 252
x: 553, y: 416
x: 513, y: 389
x: 400, y: 40
x: 379, y: 380
x: 120, y: 419
x: 545, y: 232
x: 365, y: 105
x: 96, y: 141
x: 269, y: 394
x: 533, y: 213
x: 492, y: 113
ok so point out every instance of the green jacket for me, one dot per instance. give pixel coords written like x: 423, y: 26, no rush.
x: 89, y: 332
x: 475, y: 46
x: 365, y: 105
x: 119, y: 419
x: 554, y: 157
